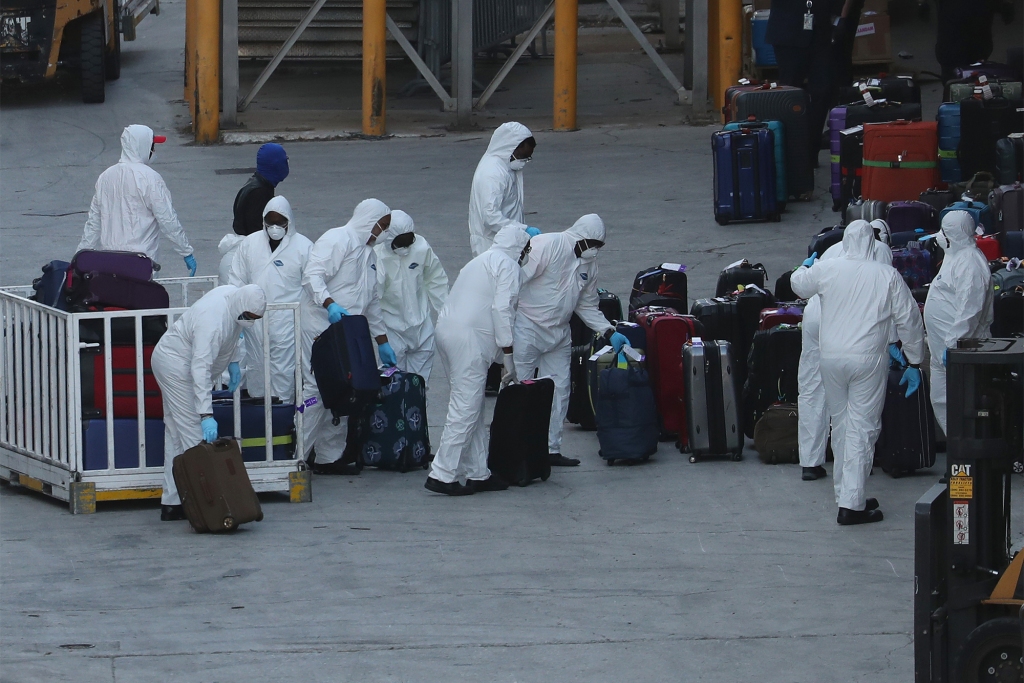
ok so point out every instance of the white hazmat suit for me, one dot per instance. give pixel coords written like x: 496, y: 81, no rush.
x: 473, y: 328
x: 413, y: 285
x: 860, y: 300
x: 496, y: 198
x: 813, y: 424
x: 279, y: 275
x: 197, y: 349
x: 556, y: 284
x: 959, y: 303
x: 341, y: 267
x: 132, y: 205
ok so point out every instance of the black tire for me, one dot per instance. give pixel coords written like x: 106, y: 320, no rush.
x: 737, y: 457
x: 722, y: 220
x: 93, y: 58
x: 609, y: 462
x: 991, y: 653
x: 112, y: 62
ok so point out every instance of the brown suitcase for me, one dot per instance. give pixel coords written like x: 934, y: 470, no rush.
x: 215, y: 490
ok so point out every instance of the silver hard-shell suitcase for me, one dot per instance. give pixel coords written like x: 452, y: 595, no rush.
x: 713, y: 415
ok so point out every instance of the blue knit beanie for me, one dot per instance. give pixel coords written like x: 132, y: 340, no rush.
x: 272, y: 163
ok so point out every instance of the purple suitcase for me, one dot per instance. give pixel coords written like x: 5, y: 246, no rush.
x: 125, y: 263
x: 909, y: 216
x: 836, y: 123
x: 991, y: 70
x: 116, y: 291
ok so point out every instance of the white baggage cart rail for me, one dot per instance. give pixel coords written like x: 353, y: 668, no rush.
x: 42, y: 425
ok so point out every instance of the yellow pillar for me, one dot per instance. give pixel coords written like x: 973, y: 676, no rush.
x: 566, y: 28
x: 190, y: 54
x: 374, y: 55
x: 207, y: 71
x: 725, y: 46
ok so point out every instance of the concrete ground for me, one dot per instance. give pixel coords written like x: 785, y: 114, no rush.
x: 718, y: 571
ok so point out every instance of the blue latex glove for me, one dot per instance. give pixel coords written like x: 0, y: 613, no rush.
x: 810, y: 260
x: 618, y: 340
x: 912, y: 378
x: 532, y: 232
x: 896, y: 354
x: 234, y: 376
x: 335, y: 313
x: 209, y: 429
x: 945, y: 357
x: 190, y: 263
x: 387, y: 355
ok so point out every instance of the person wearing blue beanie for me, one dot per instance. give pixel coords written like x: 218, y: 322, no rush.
x: 272, y: 163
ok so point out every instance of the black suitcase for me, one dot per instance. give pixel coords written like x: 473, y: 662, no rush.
x: 982, y: 124
x: 772, y: 368
x: 907, y: 440
x: 825, y: 239
x: 518, y: 451
x: 345, y: 367
x: 890, y: 88
x: 393, y: 431
x: 216, y: 494
x: 1009, y: 159
x: 718, y: 317
x: 580, y: 410
x: 749, y: 304
x: 740, y: 273
x: 712, y: 402
x: 788, y: 105
x: 659, y: 286
x: 784, y: 288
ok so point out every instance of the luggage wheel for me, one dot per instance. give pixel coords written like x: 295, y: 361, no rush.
x: 609, y: 462
x: 737, y: 457
x: 693, y: 458
x: 229, y: 523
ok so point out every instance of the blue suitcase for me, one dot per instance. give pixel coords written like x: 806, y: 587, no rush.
x: 254, y: 442
x: 50, y: 289
x: 764, y: 53
x: 393, y: 432
x: 1013, y: 244
x: 126, y: 444
x: 745, y: 187
x: 949, y: 140
x: 981, y: 212
x: 781, y: 190
x: 626, y: 411
x: 345, y: 367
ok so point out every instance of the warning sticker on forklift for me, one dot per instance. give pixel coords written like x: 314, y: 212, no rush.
x: 961, y: 488
x: 961, y: 524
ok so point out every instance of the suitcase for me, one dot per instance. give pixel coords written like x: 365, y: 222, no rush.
x: 580, y: 409
x: 117, y: 291
x: 50, y: 288
x: 957, y: 91
x: 610, y: 305
x: 627, y: 422
x: 214, y: 486
x: 907, y: 440
x: 788, y: 105
x: 1013, y: 244
x: 1006, y: 204
x: 1009, y: 159
x: 749, y: 304
x: 130, y: 264
x: 914, y: 264
x: 991, y: 70
x: 744, y: 176
x: 663, y: 285
x: 981, y: 212
x: 253, y: 438
x: 990, y: 246
x: 518, y: 450
x: 123, y: 382
x: 900, y: 159
x: 713, y: 418
x: 126, y: 444
x: 122, y: 330
x: 949, y: 139
x: 890, y: 88
x: 851, y: 166
x: 937, y: 199
x: 718, y: 318
x: 1008, y: 302
x: 902, y: 239
x: 982, y: 124
x: 828, y: 237
x: 790, y: 313
x: 345, y: 367
x: 740, y: 273
x: 776, y: 435
x: 910, y: 216
x: 393, y: 433
x: 784, y: 288
x: 779, y: 136
x: 864, y: 210
x: 764, y: 53
x: 772, y: 368
x: 666, y: 333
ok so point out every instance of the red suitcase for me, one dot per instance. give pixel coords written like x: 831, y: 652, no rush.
x: 791, y: 314
x: 122, y: 377
x: 900, y: 160
x: 667, y: 332
x: 990, y: 247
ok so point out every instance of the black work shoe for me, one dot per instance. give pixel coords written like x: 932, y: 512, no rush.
x: 452, y: 489
x: 491, y: 483
x: 848, y: 517
x: 871, y: 504
x: 559, y: 460
x: 337, y: 467
x: 171, y: 513
x: 813, y: 473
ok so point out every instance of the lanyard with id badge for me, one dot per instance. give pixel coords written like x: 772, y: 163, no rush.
x: 808, y: 17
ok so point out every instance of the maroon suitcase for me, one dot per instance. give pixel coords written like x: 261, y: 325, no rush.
x: 214, y: 486
x: 667, y: 332
x: 125, y: 263
x: 94, y: 289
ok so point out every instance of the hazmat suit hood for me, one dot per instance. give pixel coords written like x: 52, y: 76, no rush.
x: 589, y: 227
x: 365, y: 216
x: 506, y: 138
x: 283, y: 207
x: 136, y: 143
x: 858, y: 241
x: 958, y: 227
x: 272, y: 163
x: 401, y: 223
x: 248, y: 298
x: 511, y: 241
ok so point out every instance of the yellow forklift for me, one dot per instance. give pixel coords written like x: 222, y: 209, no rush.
x: 38, y: 36
x: 968, y: 591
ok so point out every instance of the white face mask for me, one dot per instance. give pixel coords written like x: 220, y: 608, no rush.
x: 244, y: 322
x: 275, y: 232
x: 589, y: 254
x: 942, y: 240
x: 517, y: 164
x: 402, y: 251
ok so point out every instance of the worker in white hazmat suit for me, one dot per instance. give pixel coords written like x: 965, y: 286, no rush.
x: 474, y: 328
x: 959, y: 303
x: 187, y: 360
x: 340, y: 279
x: 413, y: 286
x: 132, y: 205
x: 559, y: 279
x: 273, y: 258
x: 860, y: 300
x: 496, y: 198
x: 813, y: 414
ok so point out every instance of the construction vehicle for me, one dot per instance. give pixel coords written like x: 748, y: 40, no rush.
x: 38, y: 36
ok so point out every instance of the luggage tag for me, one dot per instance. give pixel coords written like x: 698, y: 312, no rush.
x: 679, y: 267
x: 737, y: 263
x: 752, y: 286
x: 387, y: 372
x: 601, y: 352
x: 986, y: 89
x: 696, y: 341
x: 866, y: 94
x: 632, y: 353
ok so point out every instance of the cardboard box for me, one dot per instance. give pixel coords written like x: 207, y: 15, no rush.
x: 873, y: 44
x: 876, y: 6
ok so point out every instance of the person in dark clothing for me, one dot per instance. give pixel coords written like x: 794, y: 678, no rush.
x: 271, y: 169
x: 803, y: 33
x: 964, y: 31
